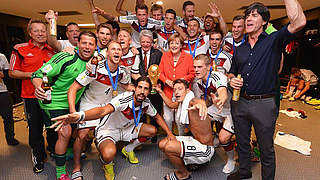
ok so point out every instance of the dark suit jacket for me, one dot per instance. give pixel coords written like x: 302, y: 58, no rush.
x: 155, y: 58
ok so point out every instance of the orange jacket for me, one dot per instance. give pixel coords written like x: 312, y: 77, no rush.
x: 184, y: 69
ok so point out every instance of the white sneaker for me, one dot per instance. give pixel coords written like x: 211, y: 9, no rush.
x: 229, y: 167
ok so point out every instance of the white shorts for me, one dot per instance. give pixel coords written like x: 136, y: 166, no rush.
x: 224, y: 117
x: 115, y: 135
x: 193, y: 152
x: 91, y: 123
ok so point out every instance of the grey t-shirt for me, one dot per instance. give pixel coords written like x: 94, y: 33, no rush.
x: 4, y: 65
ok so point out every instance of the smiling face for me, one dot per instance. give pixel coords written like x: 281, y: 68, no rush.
x: 180, y: 91
x: 87, y: 46
x: 142, y: 90
x: 104, y: 37
x: 175, y: 46
x: 142, y: 16
x: 188, y: 12
x: 114, y: 52
x: 193, y: 29
x: 237, y: 29
x: 146, y: 43
x: 215, y: 42
x: 254, y: 22
x: 73, y: 34
x: 38, y: 33
x: 124, y: 38
x: 209, y: 23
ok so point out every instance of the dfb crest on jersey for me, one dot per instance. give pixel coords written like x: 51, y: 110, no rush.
x: 129, y: 61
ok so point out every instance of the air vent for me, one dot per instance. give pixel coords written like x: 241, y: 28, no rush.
x: 269, y: 7
x: 65, y: 13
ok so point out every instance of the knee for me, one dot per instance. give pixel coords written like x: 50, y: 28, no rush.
x: 224, y: 138
x: 108, y: 154
x: 171, y: 147
x: 65, y: 133
x: 162, y: 144
x: 82, y: 134
x: 153, y: 131
x: 148, y: 130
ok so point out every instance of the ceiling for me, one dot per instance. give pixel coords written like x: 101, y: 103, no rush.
x: 228, y: 8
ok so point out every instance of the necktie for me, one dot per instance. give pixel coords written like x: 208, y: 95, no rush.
x: 145, y: 61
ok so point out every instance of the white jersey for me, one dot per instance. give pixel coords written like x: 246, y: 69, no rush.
x: 151, y: 25
x: 228, y: 40
x: 216, y: 80
x: 122, y: 117
x: 224, y: 61
x: 182, y: 111
x: 183, y: 24
x: 129, y: 60
x: 163, y: 37
x: 202, y: 46
x: 100, y: 89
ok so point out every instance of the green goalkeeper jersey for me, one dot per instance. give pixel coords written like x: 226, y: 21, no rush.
x: 62, y: 69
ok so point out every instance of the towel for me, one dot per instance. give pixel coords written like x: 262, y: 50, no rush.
x: 292, y: 142
x: 182, y: 112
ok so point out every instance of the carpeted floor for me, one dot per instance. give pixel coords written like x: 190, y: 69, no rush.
x: 15, y: 162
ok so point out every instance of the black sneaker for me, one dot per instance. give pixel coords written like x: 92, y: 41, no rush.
x: 237, y: 176
x: 37, y: 165
x: 38, y: 168
x: 12, y: 142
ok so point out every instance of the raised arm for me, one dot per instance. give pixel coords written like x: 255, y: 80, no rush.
x: 296, y: 16
x: 215, y: 12
x: 102, y: 13
x: 119, y: 8
x: 94, y: 15
x: 52, y: 40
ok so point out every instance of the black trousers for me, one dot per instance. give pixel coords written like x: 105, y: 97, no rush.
x: 262, y: 114
x: 35, y: 121
x: 6, y: 114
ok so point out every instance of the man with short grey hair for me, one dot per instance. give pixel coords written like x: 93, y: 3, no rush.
x: 148, y: 55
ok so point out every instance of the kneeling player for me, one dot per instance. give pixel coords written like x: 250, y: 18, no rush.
x: 210, y: 82
x: 120, y: 122
x: 196, y: 149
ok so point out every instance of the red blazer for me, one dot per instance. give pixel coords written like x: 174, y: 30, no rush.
x: 184, y: 69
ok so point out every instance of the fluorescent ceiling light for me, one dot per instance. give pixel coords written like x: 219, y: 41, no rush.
x: 159, y: 3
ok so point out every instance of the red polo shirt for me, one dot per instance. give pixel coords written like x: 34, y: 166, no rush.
x: 27, y: 57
